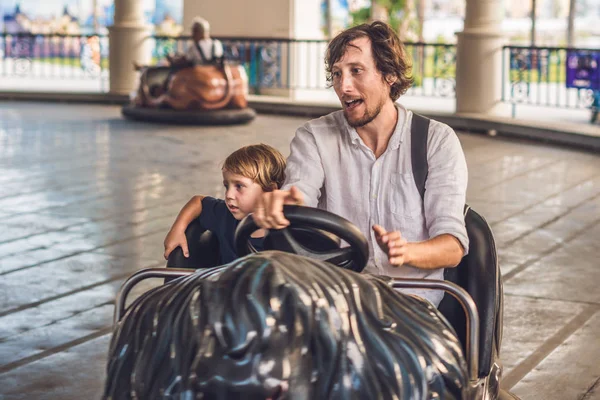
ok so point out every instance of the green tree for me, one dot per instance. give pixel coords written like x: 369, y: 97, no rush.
x: 394, y: 11
x: 404, y: 16
x: 406, y: 19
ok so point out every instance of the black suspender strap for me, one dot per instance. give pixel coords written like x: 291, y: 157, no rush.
x: 419, y: 131
x: 204, y: 60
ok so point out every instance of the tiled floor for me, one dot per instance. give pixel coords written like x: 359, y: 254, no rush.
x: 86, y: 199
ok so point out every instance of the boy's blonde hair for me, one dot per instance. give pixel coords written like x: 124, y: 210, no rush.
x: 262, y: 163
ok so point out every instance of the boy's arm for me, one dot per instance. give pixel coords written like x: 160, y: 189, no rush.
x: 176, y: 236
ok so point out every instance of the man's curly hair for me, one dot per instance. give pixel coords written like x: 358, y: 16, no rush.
x: 391, y: 57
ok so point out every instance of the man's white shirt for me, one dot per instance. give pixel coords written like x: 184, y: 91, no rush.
x: 336, y: 171
x: 193, y: 55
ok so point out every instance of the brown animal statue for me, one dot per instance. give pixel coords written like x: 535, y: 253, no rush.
x: 199, y: 87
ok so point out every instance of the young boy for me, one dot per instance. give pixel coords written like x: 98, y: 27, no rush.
x: 247, y: 174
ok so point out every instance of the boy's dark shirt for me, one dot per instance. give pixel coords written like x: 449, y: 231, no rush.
x: 217, y: 218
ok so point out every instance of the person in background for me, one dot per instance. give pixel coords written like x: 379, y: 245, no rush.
x: 204, y: 49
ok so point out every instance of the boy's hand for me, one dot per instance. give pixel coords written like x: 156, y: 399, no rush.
x: 174, y: 239
x: 268, y: 213
x: 393, y: 244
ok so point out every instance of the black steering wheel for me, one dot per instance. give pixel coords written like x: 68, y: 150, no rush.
x: 354, y: 257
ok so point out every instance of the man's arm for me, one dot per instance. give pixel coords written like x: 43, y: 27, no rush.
x: 183, y: 59
x: 444, y: 251
x: 304, y: 168
x: 304, y: 177
x: 218, y: 48
x: 176, y: 236
x: 445, y: 195
x: 446, y: 187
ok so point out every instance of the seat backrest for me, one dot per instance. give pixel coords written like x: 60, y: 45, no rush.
x: 478, y: 273
x: 203, y: 247
x: 204, y: 250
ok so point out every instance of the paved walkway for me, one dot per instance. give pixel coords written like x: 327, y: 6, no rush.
x: 86, y: 199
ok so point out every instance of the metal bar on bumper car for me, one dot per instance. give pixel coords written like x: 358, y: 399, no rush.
x: 140, y: 276
x: 468, y: 305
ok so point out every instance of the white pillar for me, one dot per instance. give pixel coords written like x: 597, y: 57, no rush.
x: 479, y: 58
x: 128, y: 43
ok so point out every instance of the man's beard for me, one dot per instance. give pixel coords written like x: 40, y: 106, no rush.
x: 367, y: 117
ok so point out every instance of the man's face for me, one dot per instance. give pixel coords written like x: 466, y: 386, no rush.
x: 241, y: 194
x: 358, y: 83
x: 197, y: 33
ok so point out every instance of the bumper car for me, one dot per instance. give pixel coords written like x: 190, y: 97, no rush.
x: 211, y: 94
x: 299, y: 321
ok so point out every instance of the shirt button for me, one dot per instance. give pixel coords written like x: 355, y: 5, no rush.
x: 374, y: 196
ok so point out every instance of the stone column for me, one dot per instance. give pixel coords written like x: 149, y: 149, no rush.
x: 128, y: 43
x: 479, y: 58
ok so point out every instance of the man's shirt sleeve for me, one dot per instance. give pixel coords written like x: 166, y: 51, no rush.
x: 304, y: 168
x: 218, y: 48
x: 446, y: 186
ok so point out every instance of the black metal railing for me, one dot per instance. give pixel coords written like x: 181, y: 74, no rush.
x: 267, y: 61
x: 550, y: 76
x: 546, y: 76
x: 28, y: 58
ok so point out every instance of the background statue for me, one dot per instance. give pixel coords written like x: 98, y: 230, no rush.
x: 274, y: 325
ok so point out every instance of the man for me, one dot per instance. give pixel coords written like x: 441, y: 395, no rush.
x: 357, y: 163
x: 203, y: 50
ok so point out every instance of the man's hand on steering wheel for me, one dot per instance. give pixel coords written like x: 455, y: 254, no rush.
x: 268, y: 213
x: 313, y: 221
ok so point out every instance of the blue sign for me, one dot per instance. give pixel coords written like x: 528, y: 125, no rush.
x: 583, y: 69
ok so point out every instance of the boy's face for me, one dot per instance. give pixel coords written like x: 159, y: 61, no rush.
x: 241, y: 194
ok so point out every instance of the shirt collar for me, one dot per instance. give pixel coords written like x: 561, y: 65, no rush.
x: 397, y: 136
